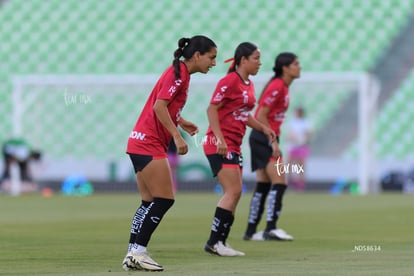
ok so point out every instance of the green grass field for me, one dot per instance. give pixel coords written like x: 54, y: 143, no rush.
x: 334, y: 235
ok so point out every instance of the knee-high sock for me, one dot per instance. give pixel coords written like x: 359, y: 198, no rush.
x: 218, y: 232
x: 156, y: 211
x: 137, y: 222
x: 257, y: 206
x: 226, y: 228
x: 274, y: 205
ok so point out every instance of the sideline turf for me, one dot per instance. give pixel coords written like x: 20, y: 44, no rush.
x: 334, y: 235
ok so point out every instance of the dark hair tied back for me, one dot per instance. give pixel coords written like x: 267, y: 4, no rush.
x: 244, y: 49
x: 283, y: 59
x: 188, y: 46
x: 178, y: 54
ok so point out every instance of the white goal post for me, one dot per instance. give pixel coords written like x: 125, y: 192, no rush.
x: 81, y: 122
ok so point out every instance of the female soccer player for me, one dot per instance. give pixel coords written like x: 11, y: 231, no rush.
x: 149, y: 139
x: 271, y: 110
x: 228, y: 115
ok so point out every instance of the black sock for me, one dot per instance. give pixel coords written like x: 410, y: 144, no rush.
x: 156, y: 211
x: 257, y: 206
x: 274, y: 205
x: 218, y: 231
x: 137, y: 222
x: 226, y: 227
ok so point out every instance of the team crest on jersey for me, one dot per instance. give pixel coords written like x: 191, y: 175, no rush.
x: 229, y: 155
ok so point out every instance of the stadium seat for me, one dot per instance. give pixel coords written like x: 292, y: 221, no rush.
x: 138, y: 37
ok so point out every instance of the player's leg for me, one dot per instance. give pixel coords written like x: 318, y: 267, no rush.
x: 276, y: 172
x: 156, y: 188
x: 260, y: 154
x: 156, y: 182
x: 230, y: 178
x: 257, y: 204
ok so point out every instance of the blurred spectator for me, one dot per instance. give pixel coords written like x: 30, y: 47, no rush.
x: 298, y: 136
x: 17, y: 151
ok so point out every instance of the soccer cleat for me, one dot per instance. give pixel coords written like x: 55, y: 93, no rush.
x: 277, y: 234
x: 145, y: 262
x: 128, y: 264
x: 258, y: 236
x: 238, y: 253
x: 222, y: 250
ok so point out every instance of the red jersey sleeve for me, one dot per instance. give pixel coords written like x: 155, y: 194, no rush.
x: 272, y: 94
x: 221, y: 93
x: 169, y: 86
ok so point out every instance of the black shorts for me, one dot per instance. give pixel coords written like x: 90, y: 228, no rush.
x: 217, y: 162
x: 260, y: 150
x: 139, y: 161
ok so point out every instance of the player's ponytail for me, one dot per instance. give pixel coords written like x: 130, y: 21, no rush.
x: 188, y: 46
x: 178, y: 54
x: 244, y: 49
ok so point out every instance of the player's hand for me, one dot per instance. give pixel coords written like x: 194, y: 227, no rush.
x: 189, y: 127
x: 222, y: 147
x: 182, y: 147
x: 276, y: 152
x: 270, y: 134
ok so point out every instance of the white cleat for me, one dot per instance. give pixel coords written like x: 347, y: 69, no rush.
x: 222, y: 250
x: 238, y: 253
x: 258, y: 236
x: 145, y: 262
x: 128, y: 264
x: 277, y: 234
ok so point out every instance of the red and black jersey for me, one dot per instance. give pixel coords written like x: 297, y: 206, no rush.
x: 149, y: 136
x: 237, y: 100
x: 276, y: 98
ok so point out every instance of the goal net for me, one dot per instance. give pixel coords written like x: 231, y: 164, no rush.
x: 82, y: 122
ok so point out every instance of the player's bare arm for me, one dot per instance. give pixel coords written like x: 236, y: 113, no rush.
x: 161, y: 111
x: 188, y: 126
x: 213, y: 119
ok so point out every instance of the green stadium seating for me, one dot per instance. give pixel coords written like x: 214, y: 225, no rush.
x: 139, y: 37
